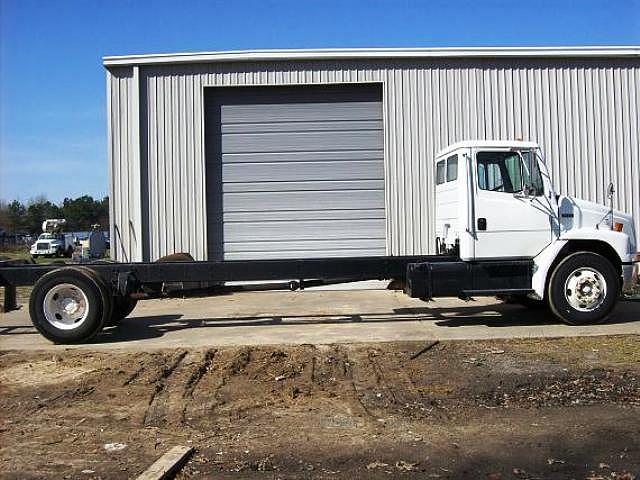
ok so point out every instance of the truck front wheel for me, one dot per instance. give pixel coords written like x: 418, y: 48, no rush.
x: 583, y: 289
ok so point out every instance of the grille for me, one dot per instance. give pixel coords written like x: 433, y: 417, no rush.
x: 42, y: 246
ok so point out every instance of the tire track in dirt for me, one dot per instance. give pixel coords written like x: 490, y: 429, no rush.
x: 358, y: 388
x: 390, y: 385
x: 332, y: 373
x: 202, y: 397
x: 201, y: 369
x: 399, y: 385
x: 166, y: 385
x: 366, y: 383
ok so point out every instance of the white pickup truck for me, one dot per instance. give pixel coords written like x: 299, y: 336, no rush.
x: 53, y: 242
x: 495, y: 202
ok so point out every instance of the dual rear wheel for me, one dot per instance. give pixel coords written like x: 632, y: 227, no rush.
x: 73, y: 304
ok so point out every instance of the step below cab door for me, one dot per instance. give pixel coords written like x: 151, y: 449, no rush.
x: 513, y: 217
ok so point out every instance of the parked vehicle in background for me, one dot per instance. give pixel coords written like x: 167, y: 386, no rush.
x: 53, y: 242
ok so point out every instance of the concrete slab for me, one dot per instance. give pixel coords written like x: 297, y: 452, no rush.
x: 316, y: 317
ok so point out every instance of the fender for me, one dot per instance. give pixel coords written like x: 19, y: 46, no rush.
x: 542, y: 263
x: 618, y: 241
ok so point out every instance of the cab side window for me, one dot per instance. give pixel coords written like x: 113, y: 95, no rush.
x: 452, y: 168
x: 440, y: 172
x: 447, y: 170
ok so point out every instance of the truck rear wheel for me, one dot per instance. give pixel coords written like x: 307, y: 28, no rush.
x: 68, y: 305
x: 583, y: 289
x: 122, y: 307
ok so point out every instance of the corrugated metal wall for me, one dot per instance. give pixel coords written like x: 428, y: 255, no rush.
x: 584, y: 112
x: 124, y: 167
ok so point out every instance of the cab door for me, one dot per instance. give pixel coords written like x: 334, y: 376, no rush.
x: 512, y: 215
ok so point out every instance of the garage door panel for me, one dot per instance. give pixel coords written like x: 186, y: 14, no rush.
x: 304, y: 229
x: 267, y: 201
x: 311, y: 186
x: 304, y: 244
x: 292, y: 215
x: 273, y: 112
x: 321, y: 253
x: 326, y: 155
x: 301, y: 141
x: 303, y: 171
x: 295, y: 172
x: 301, y: 126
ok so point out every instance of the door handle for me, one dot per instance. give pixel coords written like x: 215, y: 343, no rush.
x: 482, y: 223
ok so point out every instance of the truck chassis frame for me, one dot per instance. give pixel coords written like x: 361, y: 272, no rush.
x: 424, y: 276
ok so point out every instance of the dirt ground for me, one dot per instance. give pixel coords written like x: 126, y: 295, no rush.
x: 501, y: 409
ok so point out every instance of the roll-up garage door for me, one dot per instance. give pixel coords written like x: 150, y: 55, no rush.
x: 294, y: 172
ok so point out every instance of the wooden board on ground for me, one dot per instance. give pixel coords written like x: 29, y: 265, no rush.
x: 167, y: 464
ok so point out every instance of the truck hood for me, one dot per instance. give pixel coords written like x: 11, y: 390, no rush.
x: 576, y: 213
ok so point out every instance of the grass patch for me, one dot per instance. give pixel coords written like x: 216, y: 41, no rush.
x: 580, y: 351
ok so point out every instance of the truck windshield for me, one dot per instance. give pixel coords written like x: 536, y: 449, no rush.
x: 504, y: 172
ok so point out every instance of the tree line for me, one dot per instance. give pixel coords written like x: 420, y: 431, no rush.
x: 26, y: 218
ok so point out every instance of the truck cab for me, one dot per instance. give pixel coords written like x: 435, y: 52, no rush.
x: 495, y: 202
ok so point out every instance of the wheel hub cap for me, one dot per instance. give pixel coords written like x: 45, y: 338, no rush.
x: 70, y: 306
x: 585, y: 289
x: 66, y: 306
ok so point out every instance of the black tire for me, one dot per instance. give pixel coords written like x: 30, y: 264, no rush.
x: 107, y: 297
x: 122, y: 307
x: 69, y: 253
x: 575, y: 266
x: 47, y: 320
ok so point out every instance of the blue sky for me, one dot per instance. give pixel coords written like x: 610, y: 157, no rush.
x: 52, y: 83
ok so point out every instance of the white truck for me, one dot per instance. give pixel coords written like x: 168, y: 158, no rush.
x: 52, y: 241
x: 495, y: 201
x: 501, y: 229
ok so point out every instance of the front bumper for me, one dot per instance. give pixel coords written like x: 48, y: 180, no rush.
x: 52, y: 251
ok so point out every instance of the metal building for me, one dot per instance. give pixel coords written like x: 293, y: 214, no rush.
x: 302, y: 153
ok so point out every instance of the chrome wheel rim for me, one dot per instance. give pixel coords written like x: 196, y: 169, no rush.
x: 585, y: 289
x: 66, y: 306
